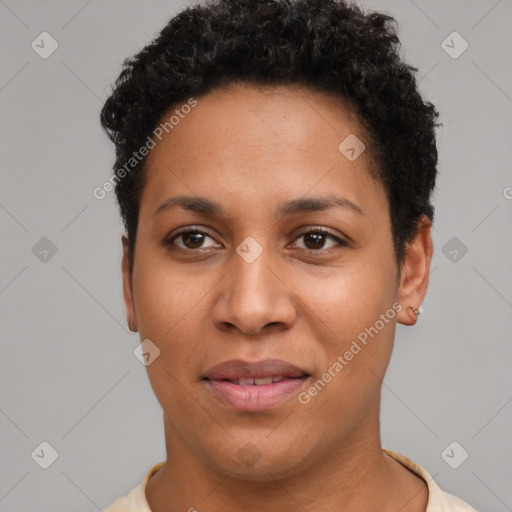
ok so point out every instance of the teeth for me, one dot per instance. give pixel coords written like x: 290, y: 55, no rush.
x: 263, y: 381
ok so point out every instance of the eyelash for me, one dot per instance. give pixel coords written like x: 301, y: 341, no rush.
x: 323, y: 231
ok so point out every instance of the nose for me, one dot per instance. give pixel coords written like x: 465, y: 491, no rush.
x: 255, y: 298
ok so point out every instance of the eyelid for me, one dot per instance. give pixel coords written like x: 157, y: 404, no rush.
x: 187, y: 229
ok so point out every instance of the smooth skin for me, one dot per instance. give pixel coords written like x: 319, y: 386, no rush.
x: 303, y: 300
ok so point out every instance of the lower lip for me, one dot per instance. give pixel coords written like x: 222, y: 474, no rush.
x: 254, y: 398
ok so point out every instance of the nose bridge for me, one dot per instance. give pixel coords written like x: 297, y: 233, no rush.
x: 253, y: 296
x: 251, y: 273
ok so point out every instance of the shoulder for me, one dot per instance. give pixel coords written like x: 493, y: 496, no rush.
x: 132, y: 502
x: 438, y: 500
x: 135, y: 501
x: 448, y: 502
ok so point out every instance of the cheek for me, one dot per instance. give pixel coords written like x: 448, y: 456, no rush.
x: 350, y: 298
x: 170, y: 309
x: 355, y: 322
x: 170, y: 305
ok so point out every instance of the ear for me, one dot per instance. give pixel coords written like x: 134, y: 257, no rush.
x: 127, y: 287
x: 415, y: 272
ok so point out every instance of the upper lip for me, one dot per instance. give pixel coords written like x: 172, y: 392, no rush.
x: 239, y: 369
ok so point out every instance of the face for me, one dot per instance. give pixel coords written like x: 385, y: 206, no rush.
x: 264, y: 252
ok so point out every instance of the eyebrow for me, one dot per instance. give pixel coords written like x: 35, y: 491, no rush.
x: 208, y: 207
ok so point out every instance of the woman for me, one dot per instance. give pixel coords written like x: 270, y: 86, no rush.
x: 275, y: 164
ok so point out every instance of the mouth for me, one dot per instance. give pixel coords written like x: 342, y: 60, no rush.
x: 258, y: 386
x: 255, y: 381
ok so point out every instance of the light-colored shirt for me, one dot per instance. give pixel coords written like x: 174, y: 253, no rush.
x: 438, y: 500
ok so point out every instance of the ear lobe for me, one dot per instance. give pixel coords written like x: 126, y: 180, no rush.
x: 127, y: 287
x: 415, y: 272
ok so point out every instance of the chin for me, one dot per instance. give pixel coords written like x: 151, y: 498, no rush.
x: 258, y: 460
x: 264, y: 470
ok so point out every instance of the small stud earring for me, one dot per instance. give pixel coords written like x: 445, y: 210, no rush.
x: 415, y: 311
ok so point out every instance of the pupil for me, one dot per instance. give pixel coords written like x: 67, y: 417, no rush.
x: 197, y: 239
x: 319, y: 240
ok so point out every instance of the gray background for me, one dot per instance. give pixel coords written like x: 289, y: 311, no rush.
x: 68, y: 373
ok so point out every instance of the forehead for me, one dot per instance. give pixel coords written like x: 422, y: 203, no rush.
x: 253, y: 142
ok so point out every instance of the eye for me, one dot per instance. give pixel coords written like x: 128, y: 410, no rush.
x: 191, y: 238
x: 315, y: 238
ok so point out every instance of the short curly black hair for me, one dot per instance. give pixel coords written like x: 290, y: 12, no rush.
x: 332, y: 46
